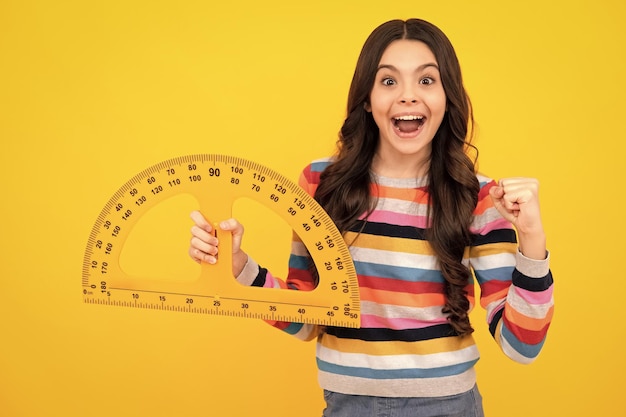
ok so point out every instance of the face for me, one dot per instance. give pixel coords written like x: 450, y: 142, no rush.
x: 408, y: 104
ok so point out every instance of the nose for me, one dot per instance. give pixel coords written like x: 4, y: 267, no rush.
x: 409, y: 95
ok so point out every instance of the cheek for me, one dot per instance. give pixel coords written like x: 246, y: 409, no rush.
x: 379, y: 106
x: 438, y: 105
x: 380, y: 117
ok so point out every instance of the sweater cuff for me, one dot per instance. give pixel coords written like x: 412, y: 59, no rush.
x: 533, y: 268
x: 248, y: 273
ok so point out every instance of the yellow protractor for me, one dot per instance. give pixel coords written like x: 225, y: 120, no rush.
x: 217, y: 181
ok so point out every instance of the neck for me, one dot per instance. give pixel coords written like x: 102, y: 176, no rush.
x: 406, y: 166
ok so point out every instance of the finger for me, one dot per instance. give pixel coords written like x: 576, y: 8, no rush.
x: 193, y: 254
x: 496, y: 192
x: 200, y: 221
x: 200, y: 256
x: 203, y: 235
x: 204, y: 247
x: 516, y: 185
x: 232, y: 225
x: 518, y: 196
x: 519, y: 190
x: 203, y: 243
x: 236, y: 230
x: 501, y: 205
x: 510, y: 181
x: 510, y: 202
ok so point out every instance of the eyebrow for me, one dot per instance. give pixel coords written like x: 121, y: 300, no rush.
x: 418, y: 69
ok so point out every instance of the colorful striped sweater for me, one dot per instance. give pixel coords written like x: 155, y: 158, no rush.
x: 405, y: 346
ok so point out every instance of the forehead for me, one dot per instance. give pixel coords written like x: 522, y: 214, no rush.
x: 407, y: 53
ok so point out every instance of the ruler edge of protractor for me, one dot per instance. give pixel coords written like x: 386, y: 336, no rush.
x: 205, y: 158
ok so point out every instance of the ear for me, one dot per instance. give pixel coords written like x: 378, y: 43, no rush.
x: 367, y: 107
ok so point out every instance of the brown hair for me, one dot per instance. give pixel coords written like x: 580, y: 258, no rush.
x: 344, y: 189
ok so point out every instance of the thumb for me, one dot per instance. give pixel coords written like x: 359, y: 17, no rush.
x: 236, y: 229
x: 497, y: 193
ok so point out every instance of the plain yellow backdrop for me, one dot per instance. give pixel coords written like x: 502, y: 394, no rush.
x: 93, y: 92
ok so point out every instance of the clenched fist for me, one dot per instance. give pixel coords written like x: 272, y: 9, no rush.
x: 517, y: 200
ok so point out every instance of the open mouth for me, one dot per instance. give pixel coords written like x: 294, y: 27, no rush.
x: 408, y: 123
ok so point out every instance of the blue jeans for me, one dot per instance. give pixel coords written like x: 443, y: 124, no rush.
x: 467, y: 404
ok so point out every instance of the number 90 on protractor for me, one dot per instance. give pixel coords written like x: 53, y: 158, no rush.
x: 216, y: 182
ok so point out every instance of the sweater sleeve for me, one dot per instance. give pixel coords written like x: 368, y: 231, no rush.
x: 516, y: 292
x: 300, y: 276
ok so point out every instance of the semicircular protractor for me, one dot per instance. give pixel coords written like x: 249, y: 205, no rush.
x: 216, y: 182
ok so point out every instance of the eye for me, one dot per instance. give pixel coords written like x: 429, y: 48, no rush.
x: 388, y: 81
x: 427, y: 81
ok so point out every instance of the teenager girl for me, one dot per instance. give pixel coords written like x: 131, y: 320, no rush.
x: 421, y: 223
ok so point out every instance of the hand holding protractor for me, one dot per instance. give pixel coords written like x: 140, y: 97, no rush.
x: 217, y: 181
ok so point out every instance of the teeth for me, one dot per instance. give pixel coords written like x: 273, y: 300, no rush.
x: 409, y: 117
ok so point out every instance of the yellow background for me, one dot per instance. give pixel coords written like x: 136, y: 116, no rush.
x: 93, y: 92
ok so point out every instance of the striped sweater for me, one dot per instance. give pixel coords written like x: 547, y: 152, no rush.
x: 405, y: 346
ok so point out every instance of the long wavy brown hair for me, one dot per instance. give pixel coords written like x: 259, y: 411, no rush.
x: 344, y: 189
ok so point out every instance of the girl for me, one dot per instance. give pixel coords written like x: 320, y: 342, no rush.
x: 421, y: 224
